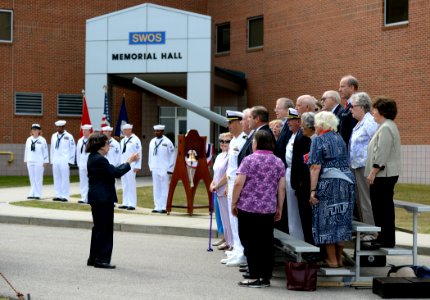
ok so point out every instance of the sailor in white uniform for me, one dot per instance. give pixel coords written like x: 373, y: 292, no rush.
x: 130, y: 144
x: 114, y: 154
x: 36, y: 155
x: 161, y: 160
x: 63, y: 150
x: 81, y: 160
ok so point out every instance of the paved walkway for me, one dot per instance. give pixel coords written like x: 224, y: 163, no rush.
x: 141, y: 220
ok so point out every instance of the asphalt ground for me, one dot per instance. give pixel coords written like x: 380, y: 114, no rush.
x: 50, y: 263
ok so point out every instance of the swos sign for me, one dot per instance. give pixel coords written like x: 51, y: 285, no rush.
x: 147, y: 38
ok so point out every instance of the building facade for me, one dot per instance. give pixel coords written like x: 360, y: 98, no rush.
x: 260, y: 51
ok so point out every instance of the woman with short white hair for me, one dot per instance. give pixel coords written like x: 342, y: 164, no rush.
x: 332, y: 189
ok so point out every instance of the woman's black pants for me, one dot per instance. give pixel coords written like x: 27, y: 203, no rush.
x: 256, y: 236
x: 381, y: 196
x: 102, y: 233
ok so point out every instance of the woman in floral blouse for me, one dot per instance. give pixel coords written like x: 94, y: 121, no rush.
x: 258, y: 196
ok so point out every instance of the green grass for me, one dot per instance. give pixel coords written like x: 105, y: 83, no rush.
x: 417, y: 193
x: 144, y: 199
x: 18, y: 181
x: 407, y: 192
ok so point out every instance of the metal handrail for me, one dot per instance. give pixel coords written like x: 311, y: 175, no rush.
x: 10, y: 153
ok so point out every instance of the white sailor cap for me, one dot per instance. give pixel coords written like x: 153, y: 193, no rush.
x: 127, y: 126
x: 159, y: 127
x: 293, y: 114
x: 234, y: 115
x: 60, y: 123
x: 86, y: 126
x: 107, y: 128
x: 35, y: 126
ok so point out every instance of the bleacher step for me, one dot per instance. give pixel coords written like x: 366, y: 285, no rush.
x: 336, y: 272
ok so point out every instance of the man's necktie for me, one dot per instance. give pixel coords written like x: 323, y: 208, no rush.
x: 57, y: 144
x: 156, y: 147
x: 84, y: 143
x: 125, y: 145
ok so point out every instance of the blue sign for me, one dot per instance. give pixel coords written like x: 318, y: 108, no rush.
x: 147, y: 38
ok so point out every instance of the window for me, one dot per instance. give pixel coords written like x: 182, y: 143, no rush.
x: 255, y: 32
x: 69, y: 105
x: 395, y: 12
x: 223, y: 38
x: 6, y: 28
x: 28, y: 104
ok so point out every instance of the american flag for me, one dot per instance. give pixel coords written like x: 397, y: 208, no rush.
x: 105, y: 116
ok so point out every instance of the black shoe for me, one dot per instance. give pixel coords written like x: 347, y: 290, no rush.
x: 123, y: 207
x: 251, y: 283
x: 243, y: 265
x: 63, y: 200
x: 91, y: 262
x: 56, y: 199
x: 104, y: 265
x: 156, y: 211
x: 131, y: 208
x: 243, y: 269
x: 246, y: 275
x: 36, y: 198
x: 265, y: 282
x: 30, y: 197
x: 163, y: 211
x: 370, y: 246
x: 82, y: 202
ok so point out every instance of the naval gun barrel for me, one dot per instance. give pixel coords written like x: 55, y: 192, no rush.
x: 208, y: 114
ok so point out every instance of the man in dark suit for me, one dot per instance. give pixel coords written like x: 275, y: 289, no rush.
x: 330, y: 101
x: 258, y: 120
x: 281, y: 111
x: 348, y: 85
x: 300, y: 179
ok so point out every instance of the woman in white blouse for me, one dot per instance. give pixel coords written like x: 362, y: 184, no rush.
x: 361, y: 135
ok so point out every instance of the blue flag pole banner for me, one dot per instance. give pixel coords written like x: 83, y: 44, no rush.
x: 122, y: 118
x: 105, y: 116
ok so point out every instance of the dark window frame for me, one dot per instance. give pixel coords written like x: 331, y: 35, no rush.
x: 249, y: 20
x: 28, y: 97
x: 11, y: 26
x: 218, y: 38
x: 388, y: 6
x: 60, y: 106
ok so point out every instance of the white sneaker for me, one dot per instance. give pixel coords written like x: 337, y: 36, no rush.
x: 230, y: 253
x: 228, y: 259
x: 236, y: 261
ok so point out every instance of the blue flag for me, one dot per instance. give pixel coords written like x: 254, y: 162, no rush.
x: 122, y: 118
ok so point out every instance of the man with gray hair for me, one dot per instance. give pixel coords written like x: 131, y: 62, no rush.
x: 330, y: 101
x: 305, y: 103
x: 258, y: 120
x: 347, y: 87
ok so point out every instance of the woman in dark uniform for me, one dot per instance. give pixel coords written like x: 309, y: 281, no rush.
x: 101, y: 197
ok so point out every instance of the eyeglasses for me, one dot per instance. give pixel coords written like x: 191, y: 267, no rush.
x: 224, y: 141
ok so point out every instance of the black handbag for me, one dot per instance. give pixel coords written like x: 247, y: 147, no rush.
x: 301, y: 276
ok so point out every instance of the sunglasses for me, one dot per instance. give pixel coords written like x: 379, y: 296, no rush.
x: 224, y: 141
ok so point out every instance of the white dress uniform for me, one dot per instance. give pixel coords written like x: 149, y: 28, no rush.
x: 62, y: 153
x: 294, y: 221
x: 130, y: 145
x: 161, y: 159
x: 114, y: 154
x: 35, y: 155
x: 81, y: 160
x: 236, y: 145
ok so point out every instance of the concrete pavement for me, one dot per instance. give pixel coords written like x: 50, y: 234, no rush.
x: 141, y: 220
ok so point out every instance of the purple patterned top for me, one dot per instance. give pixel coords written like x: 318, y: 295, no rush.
x: 263, y: 171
